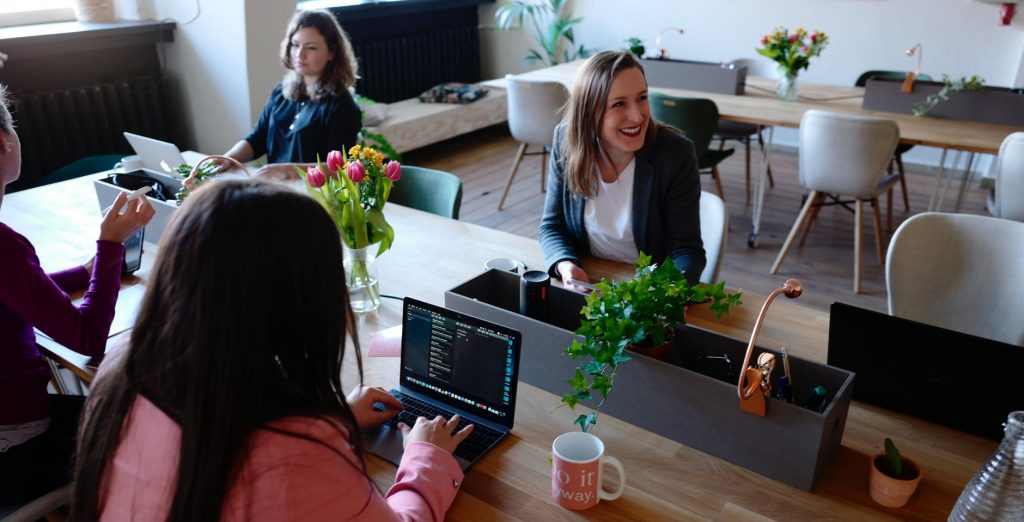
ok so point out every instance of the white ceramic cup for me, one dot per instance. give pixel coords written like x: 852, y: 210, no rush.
x: 130, y: 163
x: 577, y: 471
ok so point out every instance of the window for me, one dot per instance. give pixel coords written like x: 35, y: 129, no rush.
x: 36, y: 12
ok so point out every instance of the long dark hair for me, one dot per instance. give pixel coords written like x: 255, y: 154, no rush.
x: 244, y: 322
x: 339, y: 74
x: 581, y: 145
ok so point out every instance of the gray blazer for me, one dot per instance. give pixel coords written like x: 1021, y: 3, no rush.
x: 666, y: 207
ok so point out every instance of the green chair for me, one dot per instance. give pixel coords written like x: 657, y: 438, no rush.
x: 428, y: 190
x: 862, y: 80
x: 80, y: 167
x: 698, y: 119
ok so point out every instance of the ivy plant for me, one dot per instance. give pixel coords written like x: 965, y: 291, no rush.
x: 638, y: 312
x: 949, y: 88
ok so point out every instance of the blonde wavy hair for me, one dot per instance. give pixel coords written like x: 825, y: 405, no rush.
x: 581, y: 146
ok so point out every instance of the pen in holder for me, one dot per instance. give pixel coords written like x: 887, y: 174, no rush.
x: 753, y: 377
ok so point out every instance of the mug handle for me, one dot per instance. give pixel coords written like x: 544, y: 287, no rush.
x: 613, y: 462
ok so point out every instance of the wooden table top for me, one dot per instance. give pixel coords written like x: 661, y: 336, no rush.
x: 760, y: 105
x: 665, y: 480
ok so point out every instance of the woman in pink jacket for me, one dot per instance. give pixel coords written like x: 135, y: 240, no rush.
x: 227, y: 404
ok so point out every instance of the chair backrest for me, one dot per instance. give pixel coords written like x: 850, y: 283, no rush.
x: 1009, y: 193
x: 961, y: 272
x: 696, y: 117
x: 428, y: 190
x: 714, y: 232
x: 534, y: 109
x: 38, y: 508
x: 844, y: 154
x: 81, y: 167
x: 862, y: 80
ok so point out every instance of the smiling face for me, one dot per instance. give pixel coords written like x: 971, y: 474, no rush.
x: 309, y: 52
x: 626, y: 116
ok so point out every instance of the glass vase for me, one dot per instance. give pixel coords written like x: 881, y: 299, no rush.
x: 996, y: 492
x: 788, y: 90
x: 361, y: 278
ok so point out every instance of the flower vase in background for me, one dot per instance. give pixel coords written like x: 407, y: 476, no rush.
x: 792, y: 51
x: 996, y: 492
x: 353, y: 190
x: 361, y: 278
x: 788, y: 89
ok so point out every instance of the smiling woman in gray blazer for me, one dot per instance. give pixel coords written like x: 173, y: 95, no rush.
x: 620, y: 182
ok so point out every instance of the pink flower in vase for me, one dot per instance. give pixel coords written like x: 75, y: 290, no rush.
x: 335, y: 161
x: 315, y: 177
x: 393, y: 170
x: 764, y: 40
x: 793, y: 38
x: 805, y: 49
x: 355, y: 171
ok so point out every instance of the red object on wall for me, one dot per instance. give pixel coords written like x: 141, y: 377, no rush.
x: 1006, y: 13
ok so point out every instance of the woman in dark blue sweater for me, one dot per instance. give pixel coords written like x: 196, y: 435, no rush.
x: 311, y: 111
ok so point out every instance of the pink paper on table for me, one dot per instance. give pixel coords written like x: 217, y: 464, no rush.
x: 386, y: 342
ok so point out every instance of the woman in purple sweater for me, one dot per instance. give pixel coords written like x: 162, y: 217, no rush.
x: 37, y: 430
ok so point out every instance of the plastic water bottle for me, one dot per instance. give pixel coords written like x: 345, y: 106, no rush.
x: 996, y: 492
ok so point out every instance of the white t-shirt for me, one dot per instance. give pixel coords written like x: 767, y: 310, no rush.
x: 608, y: 218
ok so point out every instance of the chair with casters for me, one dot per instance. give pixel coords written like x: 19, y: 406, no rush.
x: 428, y: 190
x: 46, y: 507
x: 742, y: 132
x: 1007, y: 198
x: 862, y: 80
x: 534, y: 110
x: 844, y: 155
x: 714, y: 232
x: 959, y: 271
x: 697, y: 118
x: 80, y: 167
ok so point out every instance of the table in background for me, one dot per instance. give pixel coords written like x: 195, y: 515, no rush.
x: 761, y: 106
x: 665, y: 480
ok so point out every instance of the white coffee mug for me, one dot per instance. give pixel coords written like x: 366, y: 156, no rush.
x: 130, y: 163
x: 577, y: 471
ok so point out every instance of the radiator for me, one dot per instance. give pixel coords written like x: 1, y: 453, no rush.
x: 405, y: 66
x: 57, y: 127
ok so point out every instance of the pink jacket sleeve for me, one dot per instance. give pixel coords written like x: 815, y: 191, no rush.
x: 318, y: 478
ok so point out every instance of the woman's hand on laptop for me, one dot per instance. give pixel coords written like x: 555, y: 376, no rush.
x: 363, y: 399
x: 439, y: 432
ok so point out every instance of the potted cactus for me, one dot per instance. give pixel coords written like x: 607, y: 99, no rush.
x: 894, y: 478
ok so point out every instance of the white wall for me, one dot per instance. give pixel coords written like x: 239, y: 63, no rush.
x: 959, y: 37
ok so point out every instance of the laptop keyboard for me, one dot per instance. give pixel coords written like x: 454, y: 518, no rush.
x: 481, y: 438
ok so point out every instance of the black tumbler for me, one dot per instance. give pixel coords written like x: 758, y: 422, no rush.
x: 533, y: 293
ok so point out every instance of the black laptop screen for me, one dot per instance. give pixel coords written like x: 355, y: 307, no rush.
x: 952, y: 378
x: 460, y: 360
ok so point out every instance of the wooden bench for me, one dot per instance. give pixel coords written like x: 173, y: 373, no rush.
x: 412, y: 124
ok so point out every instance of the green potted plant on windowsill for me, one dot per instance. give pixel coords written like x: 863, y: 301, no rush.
x: 639, y: 315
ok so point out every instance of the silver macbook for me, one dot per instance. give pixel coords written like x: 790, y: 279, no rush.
x: 157, y: 155
x: 453, y: 363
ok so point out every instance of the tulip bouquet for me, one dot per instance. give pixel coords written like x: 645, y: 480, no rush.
x: 353, y: 189
x: 792, y: 50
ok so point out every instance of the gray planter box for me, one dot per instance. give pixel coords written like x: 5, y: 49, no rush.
x: 996, y: 105
x: 670, y: 398
x: 727, y: 78
x: 106, y: 191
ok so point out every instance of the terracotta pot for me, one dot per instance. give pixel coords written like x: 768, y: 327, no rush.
x: 658, y: 352
x: 889, y: 491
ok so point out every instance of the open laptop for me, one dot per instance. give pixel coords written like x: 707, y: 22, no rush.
x: 952, y: 378
x: 453, y: 363
x: 156, y: 155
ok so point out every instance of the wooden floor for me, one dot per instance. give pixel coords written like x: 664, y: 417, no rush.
x: 824, y: 264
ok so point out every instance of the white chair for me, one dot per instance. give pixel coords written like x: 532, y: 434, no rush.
x: 1007, y: 199
x: 846, y: 156
x: 714, y: 232
x: 534, y: 110
x: 961, y: 272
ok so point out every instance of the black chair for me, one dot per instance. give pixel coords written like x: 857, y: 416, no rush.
x: 428, y: 190
x: 81, y: 167
x: 698, y: 119
x: 862, y: 80
x: 742, y: 132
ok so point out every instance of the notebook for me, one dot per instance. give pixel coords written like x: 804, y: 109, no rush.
x: 951, y: 378
x: 157, y: 155
x: 453, y: 363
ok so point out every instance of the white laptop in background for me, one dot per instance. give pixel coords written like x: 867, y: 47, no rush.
x: 157, y: 155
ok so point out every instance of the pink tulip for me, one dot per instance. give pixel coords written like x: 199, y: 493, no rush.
x: 793, y: 38
x: 805, y: 49
x: 814, y: 37
x: 334, y: 161
x: 355, y: 171
x: 764, y: 40
x: 315, y: 177
x: 393, y: 170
